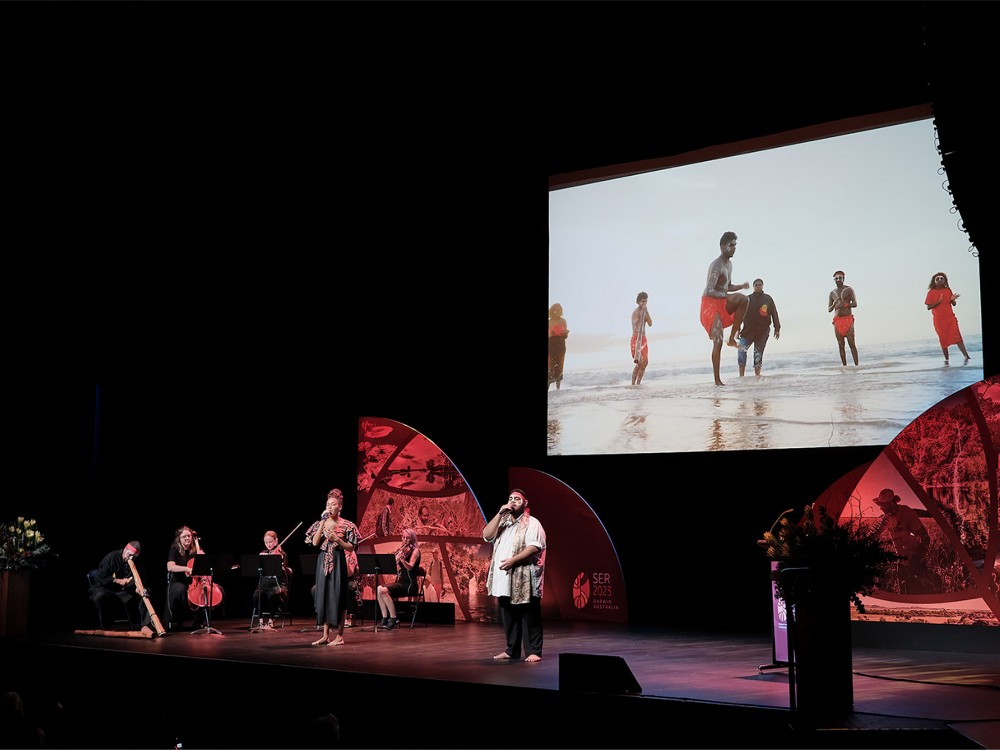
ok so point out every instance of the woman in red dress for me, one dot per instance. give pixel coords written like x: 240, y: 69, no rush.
x: 558, y: 331
x: 940, y: 300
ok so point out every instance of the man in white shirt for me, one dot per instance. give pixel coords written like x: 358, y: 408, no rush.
x: 516, y: 575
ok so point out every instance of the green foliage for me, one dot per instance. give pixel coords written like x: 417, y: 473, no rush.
x: 851, y: 557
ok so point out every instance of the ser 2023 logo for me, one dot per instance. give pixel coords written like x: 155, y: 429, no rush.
x: 584, y: 588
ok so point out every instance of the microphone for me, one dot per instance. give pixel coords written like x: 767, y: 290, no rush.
x: 326, y: 515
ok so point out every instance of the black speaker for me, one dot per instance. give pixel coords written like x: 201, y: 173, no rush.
x: 596, y: 673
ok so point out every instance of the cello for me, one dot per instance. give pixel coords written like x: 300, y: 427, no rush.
x: 202, y: 591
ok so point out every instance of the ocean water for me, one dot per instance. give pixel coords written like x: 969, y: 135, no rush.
x: 802, y: 400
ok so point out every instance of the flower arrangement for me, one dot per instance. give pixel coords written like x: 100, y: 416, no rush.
x: 22, y: 545
x: 852, y: 555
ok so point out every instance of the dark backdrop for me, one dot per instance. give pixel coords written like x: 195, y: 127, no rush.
x: 254, y: 224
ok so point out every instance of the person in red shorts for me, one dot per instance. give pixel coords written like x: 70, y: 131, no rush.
x: 841, y: 302
x: 639, y: 344
x: 722, y: 306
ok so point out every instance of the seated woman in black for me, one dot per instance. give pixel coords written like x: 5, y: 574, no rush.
x: 274, y: 588
x: 407, y: 561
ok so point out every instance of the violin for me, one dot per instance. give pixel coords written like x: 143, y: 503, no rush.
x: 202, y: 591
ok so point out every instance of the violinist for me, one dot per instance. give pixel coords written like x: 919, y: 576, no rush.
x: 180, y: 561
x: 407, y: 561
x: 274, y: 588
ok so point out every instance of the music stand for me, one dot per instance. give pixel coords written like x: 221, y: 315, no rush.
x: 204, y: 566
x: 267, y: 566
x: 377, y: 565
x: 308, y: 565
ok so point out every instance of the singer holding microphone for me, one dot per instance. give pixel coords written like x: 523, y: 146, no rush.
x: 336, y: 537
x: 516, y: 575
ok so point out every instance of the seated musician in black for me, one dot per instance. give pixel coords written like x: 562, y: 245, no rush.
x: 274, y: 588
x: 113, y: 579
x: 179, y: 565
x: 407, y: 561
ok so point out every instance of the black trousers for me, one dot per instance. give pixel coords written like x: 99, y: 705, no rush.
x: 104, y: 598
x: 274, y: 600
x: 179, y: 607
x: 521, y: 623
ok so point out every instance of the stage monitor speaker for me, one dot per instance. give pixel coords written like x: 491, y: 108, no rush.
x: 596, y: 673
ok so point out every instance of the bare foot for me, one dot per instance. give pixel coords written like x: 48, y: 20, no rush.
x: 502, y: 655
x: 533, y: 658
x: 320, y: 642
x: 338, y: 641
x: 719, y: 382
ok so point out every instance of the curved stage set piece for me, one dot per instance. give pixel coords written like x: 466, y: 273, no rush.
x: 406, y: 481
x: 934, y: 489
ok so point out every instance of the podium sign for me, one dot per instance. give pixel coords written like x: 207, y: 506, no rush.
x: 779, y: 622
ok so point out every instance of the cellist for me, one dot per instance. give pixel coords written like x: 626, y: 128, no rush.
x: 180, y: 561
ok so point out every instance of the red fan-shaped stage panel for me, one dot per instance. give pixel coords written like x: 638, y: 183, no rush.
x: 406, y: 481
x: 583, y: 577
x: 942, y: 471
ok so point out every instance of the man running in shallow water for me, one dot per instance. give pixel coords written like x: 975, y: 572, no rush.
x: 841, y: 302
x: 722, y: 306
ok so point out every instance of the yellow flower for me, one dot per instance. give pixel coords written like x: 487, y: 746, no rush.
x: 22, y: 545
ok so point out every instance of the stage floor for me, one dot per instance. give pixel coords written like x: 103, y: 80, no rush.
x: 893, y: 689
